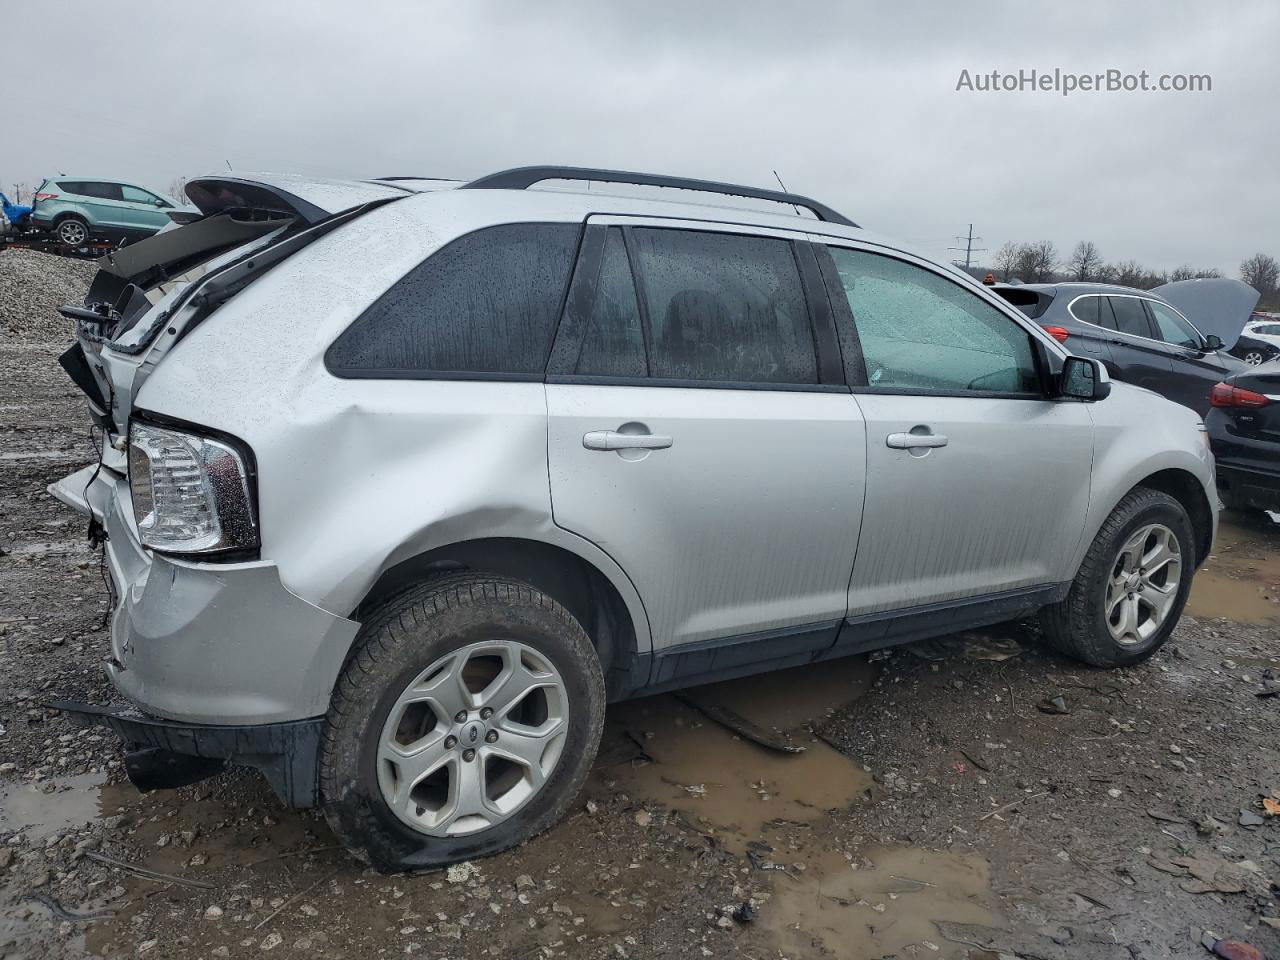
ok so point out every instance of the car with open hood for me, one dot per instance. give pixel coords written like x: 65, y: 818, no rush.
x: 1174, y: 339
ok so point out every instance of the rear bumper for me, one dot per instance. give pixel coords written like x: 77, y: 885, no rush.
x: 216, y: 644
x: 1248, y: 470
x: 286, y: 753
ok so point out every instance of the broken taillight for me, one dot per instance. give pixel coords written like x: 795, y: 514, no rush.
x: 1226, y: 395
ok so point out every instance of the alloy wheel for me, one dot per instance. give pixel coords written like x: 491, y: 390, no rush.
x: 1254, y: 358
x: 473, y: 738
x: 1143, y: 584
x: 72, y: 232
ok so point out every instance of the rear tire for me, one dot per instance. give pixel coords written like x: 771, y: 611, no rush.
x: 72, y: 231
x: 1097, y: 607
x: 392, y: 704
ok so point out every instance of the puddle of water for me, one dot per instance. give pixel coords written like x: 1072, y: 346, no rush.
x: 72, y: 802
x: 723, y: 783
x: 731, y: 786
x: 775, y: 808
x: 1241, y: 579
x: 882, y: 901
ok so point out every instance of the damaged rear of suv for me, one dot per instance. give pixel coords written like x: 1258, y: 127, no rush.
x: 402, y: 481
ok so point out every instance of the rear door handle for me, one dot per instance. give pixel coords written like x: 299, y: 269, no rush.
x: 909, y: 441
x: 612, y: 440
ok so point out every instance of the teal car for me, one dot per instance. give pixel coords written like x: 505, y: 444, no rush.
x: 77, y: 210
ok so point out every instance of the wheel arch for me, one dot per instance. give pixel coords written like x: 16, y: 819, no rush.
x: 615, y: 623
x: 1188, y: 491
x: 73, y: 214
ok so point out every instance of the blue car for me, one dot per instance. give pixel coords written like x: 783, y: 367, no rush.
x: 17, y: 217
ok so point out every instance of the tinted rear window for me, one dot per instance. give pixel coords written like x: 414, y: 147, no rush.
x: 1131, y: 316
x: 486, y: 303
x: 91, y: 188
x: 1031, y: 302
x: 724, y: 307
x: 1086, y: 309
x: 614, y: 344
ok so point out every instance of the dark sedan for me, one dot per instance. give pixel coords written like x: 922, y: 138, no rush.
x: 1244, y: 431
x: 1141, y: 337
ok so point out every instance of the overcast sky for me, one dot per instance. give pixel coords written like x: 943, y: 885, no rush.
x: 852, y: 103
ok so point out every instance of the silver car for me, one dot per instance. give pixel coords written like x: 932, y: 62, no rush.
x: 403, y: 481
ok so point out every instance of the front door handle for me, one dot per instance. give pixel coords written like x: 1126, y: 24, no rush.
x: 910, y: 441
x: 612, y: 440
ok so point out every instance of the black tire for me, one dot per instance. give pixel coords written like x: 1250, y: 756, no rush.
x: 406, y: 634
x: 72, y: 225
x: 1077, y: 626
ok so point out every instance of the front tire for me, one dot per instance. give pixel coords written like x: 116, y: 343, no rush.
x: 1132, y: 586
x: 466, y: 722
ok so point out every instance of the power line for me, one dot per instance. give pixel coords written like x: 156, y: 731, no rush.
x: 968, y: 248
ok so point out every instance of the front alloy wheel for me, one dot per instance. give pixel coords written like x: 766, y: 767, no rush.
x: 472, y: 738
x: 1254, y: 358
x: 1129, y: 592
x: 1143, y: 585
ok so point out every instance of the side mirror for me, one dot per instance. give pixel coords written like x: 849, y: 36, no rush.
x: 1084, y: 378
x: 1213, y: 342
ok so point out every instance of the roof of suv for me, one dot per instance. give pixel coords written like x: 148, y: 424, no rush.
x: 563, y: 191
x: 91, y: 179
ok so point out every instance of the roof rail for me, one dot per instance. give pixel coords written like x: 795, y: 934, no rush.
x: 521, y: 178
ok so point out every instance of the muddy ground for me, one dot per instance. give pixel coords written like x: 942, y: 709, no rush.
x: 936, y: 811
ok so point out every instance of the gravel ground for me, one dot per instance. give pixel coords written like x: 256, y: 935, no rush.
x: 32, y: 287
x: 945, y: 804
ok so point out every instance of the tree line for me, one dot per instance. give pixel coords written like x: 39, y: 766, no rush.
x: 1041, y: 262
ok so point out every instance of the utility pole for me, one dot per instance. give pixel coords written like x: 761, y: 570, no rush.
x: 968, y: 248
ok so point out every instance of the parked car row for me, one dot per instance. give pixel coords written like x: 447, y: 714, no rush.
x: 530, y: 451
x: 1244, y: 430
x: 1259, y: 342
x: 78, y: 210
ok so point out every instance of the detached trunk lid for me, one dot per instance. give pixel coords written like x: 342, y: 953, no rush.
x: 172, y: 280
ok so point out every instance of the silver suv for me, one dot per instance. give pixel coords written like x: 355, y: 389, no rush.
x: 403, y: 481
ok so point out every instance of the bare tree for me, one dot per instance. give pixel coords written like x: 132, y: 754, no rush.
x: 1188, y: 272
x: 1006, y: 261
x: 1085, y: 261
x: 178, y: 188
x: 1128, y: 273
x: 1262, y: 272
x: 1037, y: 260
